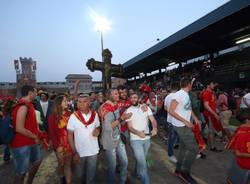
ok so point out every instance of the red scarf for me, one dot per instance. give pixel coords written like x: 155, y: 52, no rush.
x: 80, y: 117
x: 125, y: 104
x: 106, y: 108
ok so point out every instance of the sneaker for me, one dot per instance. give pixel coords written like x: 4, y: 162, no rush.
x: 203, y: 156
x: 198, y: 156
x: 173, y: 159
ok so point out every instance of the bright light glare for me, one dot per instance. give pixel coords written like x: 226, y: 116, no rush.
x: 102, y: 24
x: 171, y: 64
x: 243, y: 40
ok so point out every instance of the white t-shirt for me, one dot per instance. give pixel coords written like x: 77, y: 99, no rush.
x: 247, y: 98
x: 86, y: 144
x: 167, y: 103
x: 139, y: 120
x: 184, y: 108
x: 44, y: 106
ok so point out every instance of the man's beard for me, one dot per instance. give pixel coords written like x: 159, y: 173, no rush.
x: 123, y: 98
x: 135, y: 104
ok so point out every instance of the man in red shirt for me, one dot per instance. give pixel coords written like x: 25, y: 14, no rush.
x: 25, y: 146
x: 212, y: 118
x: 123, y: 103
x: 240, y: 145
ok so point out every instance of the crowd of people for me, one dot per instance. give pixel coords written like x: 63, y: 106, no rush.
x: 78, y: 127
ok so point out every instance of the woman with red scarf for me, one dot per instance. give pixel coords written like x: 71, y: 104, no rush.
x: 58, y: 121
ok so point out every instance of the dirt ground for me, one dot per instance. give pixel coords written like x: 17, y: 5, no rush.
x: 212, y: 170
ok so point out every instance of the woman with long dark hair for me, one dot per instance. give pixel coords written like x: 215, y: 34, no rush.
x: 58, y: 134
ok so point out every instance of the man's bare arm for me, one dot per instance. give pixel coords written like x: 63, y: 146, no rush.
x: 154, y: 124
x: 245, y: 101
x: 240, y: 154
x: 20, y: 122
x: 153, y: 121
x: 172, y: 109
x: 207, y: 107
x: 195, y: 118
x: 134, y: 131
x: 122, y: 119
x: 115, y: 123
x: 71, y: 140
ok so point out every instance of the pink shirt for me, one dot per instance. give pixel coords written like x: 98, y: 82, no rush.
x: 222, y: 102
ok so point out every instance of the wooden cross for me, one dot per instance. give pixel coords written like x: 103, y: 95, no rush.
x: 108, y: 70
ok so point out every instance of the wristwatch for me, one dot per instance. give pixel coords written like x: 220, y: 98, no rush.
x: 120, y: 119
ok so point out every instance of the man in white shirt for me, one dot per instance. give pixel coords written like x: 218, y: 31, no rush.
x: 245, y: 102
x: 172, y: 136
x: 44, y: 104
x: 44, y: 107
x: 83, y: 129
x: 181, y: 111
x: 140, y: 135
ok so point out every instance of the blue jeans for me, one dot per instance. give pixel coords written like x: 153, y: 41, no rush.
x: 86, y: 170
x: 140, y: 149
x: 172, y: 139
x: 25, y: 156
x: 6, y: 155
x: 120, y: 151
x: 237, y: 174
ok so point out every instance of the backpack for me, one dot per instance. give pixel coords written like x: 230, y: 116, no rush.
x: 7, y: 132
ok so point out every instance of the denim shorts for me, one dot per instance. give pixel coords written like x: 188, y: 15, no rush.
x: 237, y: 174
x: 24, y: 157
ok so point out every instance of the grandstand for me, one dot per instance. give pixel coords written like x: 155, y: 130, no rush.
x: 215, y: 46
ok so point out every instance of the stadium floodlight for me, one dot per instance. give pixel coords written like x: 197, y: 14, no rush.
x: 243, y: 40
x: 102, y: 24
x: 171, y: 64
